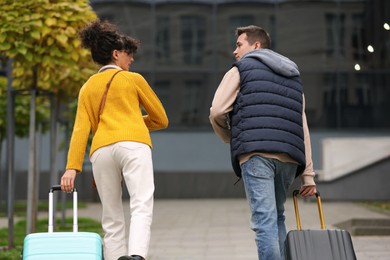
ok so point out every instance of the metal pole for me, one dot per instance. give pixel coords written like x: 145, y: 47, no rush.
x: 63, y: 194
x: 10, y: 154
x: 338, y: 67
x: 31, y: 189
x: 53, y: 148
x: 153, y: 34
x: 214, y: 80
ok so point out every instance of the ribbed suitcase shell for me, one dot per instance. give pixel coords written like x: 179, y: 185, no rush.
x: 62, y: 246
x: 319, y: 245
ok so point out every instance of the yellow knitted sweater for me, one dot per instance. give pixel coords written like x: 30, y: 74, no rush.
x: 122, y: 118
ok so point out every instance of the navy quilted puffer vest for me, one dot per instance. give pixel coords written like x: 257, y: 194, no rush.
x: 267, y: 114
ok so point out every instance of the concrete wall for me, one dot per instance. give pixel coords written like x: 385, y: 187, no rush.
x: 344, y: 155
x: 368, y: 183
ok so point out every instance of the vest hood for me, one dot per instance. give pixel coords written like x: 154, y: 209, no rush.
x: 278, y: 63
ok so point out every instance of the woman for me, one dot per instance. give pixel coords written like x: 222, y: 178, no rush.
x: 121, y: 144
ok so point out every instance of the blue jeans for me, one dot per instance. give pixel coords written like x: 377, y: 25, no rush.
x: 266, y: 183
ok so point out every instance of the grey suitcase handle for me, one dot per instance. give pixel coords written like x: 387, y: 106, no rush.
x: 320, y: 211
x: 51, y: 208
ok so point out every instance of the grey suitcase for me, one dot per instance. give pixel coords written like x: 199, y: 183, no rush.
x: 321, y: 244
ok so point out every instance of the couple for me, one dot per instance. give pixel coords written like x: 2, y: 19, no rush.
x: 258, y: 108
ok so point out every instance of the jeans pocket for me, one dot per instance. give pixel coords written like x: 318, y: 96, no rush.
x: 259, y: 167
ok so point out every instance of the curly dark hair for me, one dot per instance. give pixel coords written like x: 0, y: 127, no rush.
x: 102, y: 38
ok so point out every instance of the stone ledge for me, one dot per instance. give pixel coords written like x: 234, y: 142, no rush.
x: 366, y: 227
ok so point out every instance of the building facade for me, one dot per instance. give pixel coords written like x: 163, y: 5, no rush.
x: 187, y: 47
x: 342, y: 48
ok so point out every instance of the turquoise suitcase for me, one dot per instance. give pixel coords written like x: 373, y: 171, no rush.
x: 62, y: 245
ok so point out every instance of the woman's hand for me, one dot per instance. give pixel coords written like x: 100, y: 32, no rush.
x: 307, y: 191
x: 67, y: 180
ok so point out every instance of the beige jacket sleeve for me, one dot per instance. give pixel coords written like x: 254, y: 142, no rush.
x: 307, y: 177
x: 222, y: 104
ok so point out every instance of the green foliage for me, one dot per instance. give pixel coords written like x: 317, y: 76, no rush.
x: 85, y: 224
x: 381, y: 206
x: 22, y: 111
x: 42, y: 35
x: 21, y: 206
x: 3, y: 106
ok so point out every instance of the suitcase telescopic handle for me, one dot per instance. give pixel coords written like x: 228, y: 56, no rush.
x: 51, y: 208
x: 319, y: 204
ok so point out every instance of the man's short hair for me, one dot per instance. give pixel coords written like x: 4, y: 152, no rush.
x: 255, y: 33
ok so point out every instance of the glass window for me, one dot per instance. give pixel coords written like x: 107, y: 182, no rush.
x: 193, y: 100
x: 193, y: 34
x: 272, y: 32
x: 358, y: 41
x: 335, y: 92
x: 162, y: 89
x: 362, y: 90
x: 335, y: 33
x: 163, y: 50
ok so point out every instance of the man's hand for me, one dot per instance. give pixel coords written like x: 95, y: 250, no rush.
x: 67, y: 180
x: 307, y: 191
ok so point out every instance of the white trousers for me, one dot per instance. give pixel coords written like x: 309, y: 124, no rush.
x: 133, y: 161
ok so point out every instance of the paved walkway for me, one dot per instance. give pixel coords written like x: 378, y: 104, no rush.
x: 218, y: 229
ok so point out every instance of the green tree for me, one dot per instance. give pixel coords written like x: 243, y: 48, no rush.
x: 22, y: 104
x: 41, y: 38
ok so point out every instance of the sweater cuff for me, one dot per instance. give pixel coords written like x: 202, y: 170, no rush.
x: 72, y: 167
x: 307, y: 179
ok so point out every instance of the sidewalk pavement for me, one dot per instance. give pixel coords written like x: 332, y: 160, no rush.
x: 218, y: 229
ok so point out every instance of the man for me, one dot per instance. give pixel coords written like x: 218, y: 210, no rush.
x: 259, y: 109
